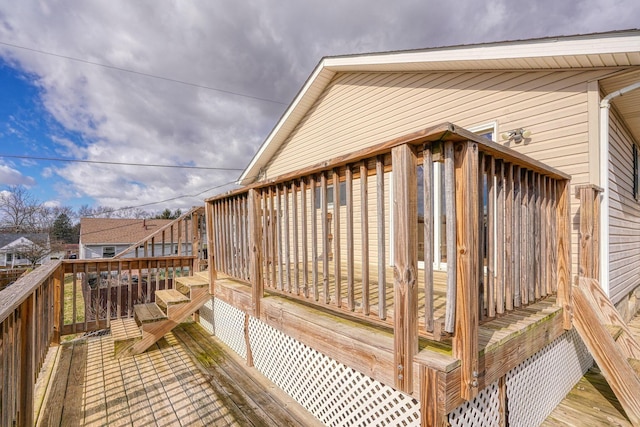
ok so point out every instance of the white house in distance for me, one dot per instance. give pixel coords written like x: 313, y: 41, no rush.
x: 16, y: 247
x: 105, y: 237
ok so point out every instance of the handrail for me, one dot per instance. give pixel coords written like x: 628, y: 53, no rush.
x: 445, y: 131
x: 196, y: 210
x: 14, y: 295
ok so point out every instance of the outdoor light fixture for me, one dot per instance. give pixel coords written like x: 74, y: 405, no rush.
x: 516, y: 135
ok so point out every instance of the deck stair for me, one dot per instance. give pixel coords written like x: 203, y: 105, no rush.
x: 153, y: 320
x: 610, y: 342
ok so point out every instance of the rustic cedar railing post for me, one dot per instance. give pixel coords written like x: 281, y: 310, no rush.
x: 589, y: 246
x: 465, y: 340
x: 564, y: 251
x: 211, y: 245
x: 58, y: 304
x: 255, y: 251
x: 405, y: 209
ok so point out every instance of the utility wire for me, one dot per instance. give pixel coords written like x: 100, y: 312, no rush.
x: 153, y: 76
x: 115, y: 163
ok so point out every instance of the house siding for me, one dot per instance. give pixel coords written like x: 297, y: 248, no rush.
x: 624, y: 211
x: 363, y: 109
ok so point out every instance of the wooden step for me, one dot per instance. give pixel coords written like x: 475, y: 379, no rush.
x: 204, y: 275
x: 169, y: 297
x: 614, y: 330
x: 635, y: 364
x: 148, y: 313
x: 125, y: 333
x: 187, y: 284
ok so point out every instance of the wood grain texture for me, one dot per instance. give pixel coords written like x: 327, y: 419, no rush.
x: 405, y: 252
x: 465, y: 340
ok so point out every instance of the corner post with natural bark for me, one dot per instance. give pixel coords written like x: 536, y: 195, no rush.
x: 255, y: 248
x: 465, y: 340
x: 405, y: 209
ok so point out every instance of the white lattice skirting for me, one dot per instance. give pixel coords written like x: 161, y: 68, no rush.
x: 340, y: 396
x: 534, y: 387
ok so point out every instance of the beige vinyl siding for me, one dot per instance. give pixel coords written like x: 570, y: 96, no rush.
x: 624, y: 221
x: 363, y: 109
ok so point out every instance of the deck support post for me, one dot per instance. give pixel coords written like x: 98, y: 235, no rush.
x: 589, y: 244
x: 465, y: 340
x: 564, y: 251
x: 211, y: 248
x: 432, y: 402
x: 255, y: 251
x: 405, y: 209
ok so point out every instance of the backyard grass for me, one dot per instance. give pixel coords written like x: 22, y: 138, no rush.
x: 68, y: 300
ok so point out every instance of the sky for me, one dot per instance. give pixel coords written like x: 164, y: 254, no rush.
x: 201, y: 83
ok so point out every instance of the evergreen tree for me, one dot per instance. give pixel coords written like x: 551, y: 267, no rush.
x: 63, y: 230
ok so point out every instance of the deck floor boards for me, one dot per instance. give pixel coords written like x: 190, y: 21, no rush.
x: 591, y: 401
x: 187, y: 379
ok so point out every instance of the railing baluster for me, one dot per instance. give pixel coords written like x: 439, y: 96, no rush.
x: 427, y: 209
x: 351, y: 297
x: 295, y: 241
x: 337, y: 264
x: 382, y: 260
x: 314, y: 239
x: 325, y: 237
x: 500, y: 238
x: 364, y: 236
x: 305, y: 238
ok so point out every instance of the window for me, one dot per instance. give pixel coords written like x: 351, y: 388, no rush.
x: 9, y: 257
x: 343, y: 196
x: 108, y: 252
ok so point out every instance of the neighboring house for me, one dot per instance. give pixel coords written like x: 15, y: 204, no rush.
x: 563, y: 92
x: 106, y: 237
x: 19, y: 249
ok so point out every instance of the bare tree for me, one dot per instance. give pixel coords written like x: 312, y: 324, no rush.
x: 32, y: 247
x: 20, y: 212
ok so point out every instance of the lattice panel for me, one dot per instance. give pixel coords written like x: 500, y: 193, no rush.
x: 228, y: 325
x: 479, y: 412
x: 336, y: 394
x: 206, y: 316
x: 537, y: 385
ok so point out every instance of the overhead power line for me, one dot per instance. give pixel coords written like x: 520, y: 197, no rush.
x: 54, y: 159
x: 153, y: 76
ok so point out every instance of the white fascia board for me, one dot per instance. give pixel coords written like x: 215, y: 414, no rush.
x: 257, y: 161
x: 596, y: 44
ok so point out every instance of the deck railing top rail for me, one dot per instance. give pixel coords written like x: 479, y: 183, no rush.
x: 442, y: 132
x: 17, y: 293
x: 159, y: 233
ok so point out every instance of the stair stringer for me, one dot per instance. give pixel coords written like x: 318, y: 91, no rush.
x: 611, y: 358
x: 152, y: 332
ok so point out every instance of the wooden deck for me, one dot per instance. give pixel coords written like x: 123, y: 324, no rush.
x: 187, y: 379
x: 591, y: 401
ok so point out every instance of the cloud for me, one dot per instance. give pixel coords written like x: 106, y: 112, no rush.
x: 261, y: 48
x: 10, y: 176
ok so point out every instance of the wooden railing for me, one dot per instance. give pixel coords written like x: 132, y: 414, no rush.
x: 589, y: 244
x: 28, y: 319
x: 186, y: 233
x: 324, y: 234
x: 66, y: 297
x: 95, y: 292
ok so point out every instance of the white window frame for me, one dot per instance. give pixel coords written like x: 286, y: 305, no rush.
x: 480, y: 129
